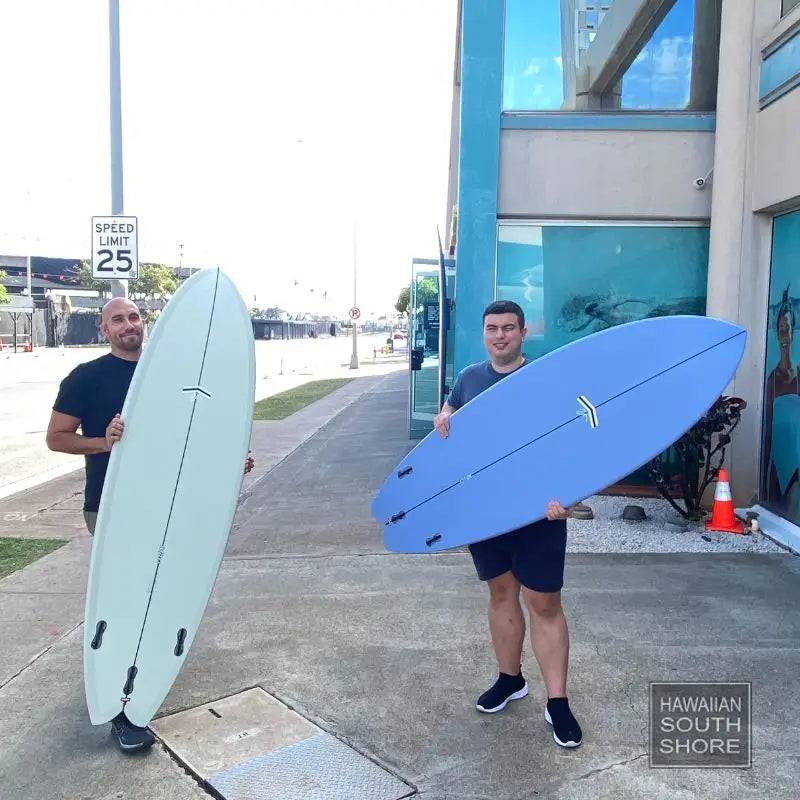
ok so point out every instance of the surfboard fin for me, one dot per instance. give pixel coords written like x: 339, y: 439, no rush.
x: 431, y: 540
x: 98, y: 635
x: 179, y: 644
x: 127, y: 689
x: 405, y: 471
x: 397, y: 517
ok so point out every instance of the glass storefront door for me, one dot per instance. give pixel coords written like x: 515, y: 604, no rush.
x: 423, y: 343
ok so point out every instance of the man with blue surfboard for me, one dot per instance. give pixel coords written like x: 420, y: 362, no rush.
x: 527, y: 561
x: 91, y: 398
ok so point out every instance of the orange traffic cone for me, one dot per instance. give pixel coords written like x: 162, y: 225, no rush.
x: 722, y: 517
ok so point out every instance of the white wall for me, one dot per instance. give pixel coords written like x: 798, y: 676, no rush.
x: 756, y: 169
x: 605, y: 174
x: 777, y: 158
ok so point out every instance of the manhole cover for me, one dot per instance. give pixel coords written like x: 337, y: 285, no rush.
x: 251, y: 746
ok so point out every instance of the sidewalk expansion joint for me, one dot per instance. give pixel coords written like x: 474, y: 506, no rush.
x: 315, y: 556
x: 45, y: 594
x: 591, y: 773
x: 339, y: 556
x: 196, y: 779
x: 46, y: 650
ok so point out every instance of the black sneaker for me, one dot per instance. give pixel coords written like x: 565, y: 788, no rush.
x: 130, y: 737
x: 506, y: 687
x: 566, y: 730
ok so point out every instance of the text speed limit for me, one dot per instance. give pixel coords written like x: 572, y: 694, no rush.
x: 115, y: 251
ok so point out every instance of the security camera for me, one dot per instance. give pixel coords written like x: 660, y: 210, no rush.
x: 700, y: 183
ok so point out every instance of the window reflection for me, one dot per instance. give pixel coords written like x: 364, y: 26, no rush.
x: 573, y: 280
x: 561, y: 55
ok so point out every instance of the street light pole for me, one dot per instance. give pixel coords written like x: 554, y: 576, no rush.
x: 354, y: 356
x: 118, y: 288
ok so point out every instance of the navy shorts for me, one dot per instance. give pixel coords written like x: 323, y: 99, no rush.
x: 534, y: 554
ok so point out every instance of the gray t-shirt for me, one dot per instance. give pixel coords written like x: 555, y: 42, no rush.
x: 473, y: 380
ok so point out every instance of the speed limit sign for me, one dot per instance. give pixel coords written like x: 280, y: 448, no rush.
x: 115, y: 251
x: 355, y: 313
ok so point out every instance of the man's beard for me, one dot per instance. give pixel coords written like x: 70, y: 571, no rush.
x: 130, y: 343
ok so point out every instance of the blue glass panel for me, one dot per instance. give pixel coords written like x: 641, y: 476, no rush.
x: 661, y: 75
x: 780, y: 66
x: 532, y: 76
x: 575, y: 280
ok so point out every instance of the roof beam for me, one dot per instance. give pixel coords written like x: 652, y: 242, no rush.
x: 626, y: 28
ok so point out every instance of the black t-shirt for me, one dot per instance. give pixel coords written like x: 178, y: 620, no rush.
x: 94, y: 392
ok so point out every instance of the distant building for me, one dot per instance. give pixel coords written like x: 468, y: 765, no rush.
x: 65, y: 311
x: 59, y: 274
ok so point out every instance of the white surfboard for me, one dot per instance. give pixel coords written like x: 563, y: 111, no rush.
x: 169, y: 498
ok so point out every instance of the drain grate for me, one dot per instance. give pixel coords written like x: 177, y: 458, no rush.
x: 251, y: 746
x: 319, y: 768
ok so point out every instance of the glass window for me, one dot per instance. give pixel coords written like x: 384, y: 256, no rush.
x: 780, y: 484
x: 780, y: 67
x: 788, y: 5
x: 573, y: 280
x: 533, y: 76
x: 424, y: 339
x: 549, y: 41
x: 677, y: 68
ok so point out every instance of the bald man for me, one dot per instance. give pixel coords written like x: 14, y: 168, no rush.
x: 91, y: 398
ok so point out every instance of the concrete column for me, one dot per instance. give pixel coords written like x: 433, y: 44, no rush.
x: 730, y: 209
x: 569, y: 53
x: 482, y: 26
x: 737, y: 276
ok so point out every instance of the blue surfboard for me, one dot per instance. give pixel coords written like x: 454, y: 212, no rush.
x: 564, y: 427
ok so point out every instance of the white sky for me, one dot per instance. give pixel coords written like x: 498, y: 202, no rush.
x: 215, y: 96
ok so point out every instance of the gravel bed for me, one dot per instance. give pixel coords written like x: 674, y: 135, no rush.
x: 609, y: 533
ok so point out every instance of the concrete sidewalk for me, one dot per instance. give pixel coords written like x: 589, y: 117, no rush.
x: 53, y: 511
x: 388, y: 652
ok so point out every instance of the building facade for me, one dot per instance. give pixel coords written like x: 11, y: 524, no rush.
x: 621, y: 160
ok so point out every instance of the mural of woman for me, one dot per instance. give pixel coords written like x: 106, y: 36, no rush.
x: 782, y: 419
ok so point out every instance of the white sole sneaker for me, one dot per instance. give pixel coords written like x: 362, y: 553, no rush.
x: 558, y: 741
x: 516, y: 696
